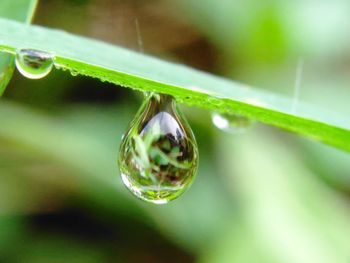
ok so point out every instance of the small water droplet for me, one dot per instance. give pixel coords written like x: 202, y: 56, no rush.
x: 74, y: 73
x: 158, y: 157
x: 34, y: 64
x: 231, y: 123
x: 216, y: 101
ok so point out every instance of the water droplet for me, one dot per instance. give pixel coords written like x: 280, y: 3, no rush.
x: 231, y: 123
x: 216, y: 101
x: 158, y: 156
x: 74, y: 73
x: 34, y: 64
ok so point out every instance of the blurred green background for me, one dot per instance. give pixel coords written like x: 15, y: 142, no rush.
x: 262, y: 196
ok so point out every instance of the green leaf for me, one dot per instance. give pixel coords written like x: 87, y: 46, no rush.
x: 7, y: 66
x: 20, y: 10
x: 144, y: 73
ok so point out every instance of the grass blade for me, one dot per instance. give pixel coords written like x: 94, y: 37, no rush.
x: 20, y: 10
x: 117, y: 65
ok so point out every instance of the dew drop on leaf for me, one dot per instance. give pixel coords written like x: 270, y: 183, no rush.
x: 74, y: 73
x: 33, y: 64
x: 230, y: 122
x: 158, y: 156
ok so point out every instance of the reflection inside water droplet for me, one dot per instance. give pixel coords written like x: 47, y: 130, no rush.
x: 34, y: 64
x: 158, y: 156
x: 231, y: 123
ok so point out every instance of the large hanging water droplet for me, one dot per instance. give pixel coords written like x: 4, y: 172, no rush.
x: 34, y: 64
x: 231, y: 123
x: 158, y: 156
